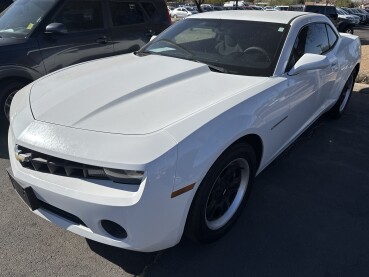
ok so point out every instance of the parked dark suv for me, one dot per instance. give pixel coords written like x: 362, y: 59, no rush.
x: 41, y: 36
x: 342, y: 25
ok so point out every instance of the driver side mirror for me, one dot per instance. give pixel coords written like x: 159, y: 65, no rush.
x: 309, y: 62
x: 56, y: 28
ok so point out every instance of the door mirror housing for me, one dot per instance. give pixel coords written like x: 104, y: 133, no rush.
x: 56, y: 28
x: 309, y: 62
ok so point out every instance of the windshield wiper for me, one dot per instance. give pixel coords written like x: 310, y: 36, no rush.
x: 142, y: 53
x: 212, y: 67
x: 217, y: 68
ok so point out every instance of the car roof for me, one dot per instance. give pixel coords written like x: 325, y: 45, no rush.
x: 283, y: 17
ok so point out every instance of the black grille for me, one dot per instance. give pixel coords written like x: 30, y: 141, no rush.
x: 61, y: 213
x: 44, y: 163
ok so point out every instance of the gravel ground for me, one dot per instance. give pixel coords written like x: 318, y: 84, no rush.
x: 364, y: 59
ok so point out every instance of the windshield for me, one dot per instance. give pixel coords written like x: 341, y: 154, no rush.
x: 343, y: 12
x: 20, y: 19
x: 228, y: 46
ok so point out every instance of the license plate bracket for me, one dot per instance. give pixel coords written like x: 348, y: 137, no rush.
x: 27, y: 194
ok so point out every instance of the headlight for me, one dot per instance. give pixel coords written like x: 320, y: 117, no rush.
x: 124, y: 176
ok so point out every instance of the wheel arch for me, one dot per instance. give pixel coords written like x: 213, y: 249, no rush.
x: 22, y: 79
x: 256, y: 143
x: 357, y: 69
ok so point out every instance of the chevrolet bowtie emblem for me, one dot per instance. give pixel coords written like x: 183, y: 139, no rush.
x: 22, y: 157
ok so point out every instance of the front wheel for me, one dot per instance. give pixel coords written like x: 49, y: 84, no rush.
x: 349, y: 30
x: 222, y: 194
x: 341, y: 104
x: 7, y: 92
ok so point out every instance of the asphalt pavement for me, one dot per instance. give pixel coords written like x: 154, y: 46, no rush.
x: 308, y: 215
x: 363, y: 33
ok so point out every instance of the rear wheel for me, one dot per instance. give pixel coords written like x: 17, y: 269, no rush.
x: 349, y: 30
x: 222, y: 194
x: 7, y: 93
x: 341, y: 104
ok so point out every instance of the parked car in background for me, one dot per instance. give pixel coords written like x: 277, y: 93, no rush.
x: 170, y: 9
x: 207, y: 7
x: 281, y: 8
x: 135, y: 157
x: 4, y: 4
x: 183, y: 12
x: 218, y: 8
x: 354, y: 19
x: 256, y: 8
x: 363, y: 12
x: 353, y: 12
x: 39, y: 37
x: 296, y: 8
x: 342, y: 25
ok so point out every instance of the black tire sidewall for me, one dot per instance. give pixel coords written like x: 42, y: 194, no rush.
x: 335, y: 111
x: 196, y: 227
x: 6, y: 90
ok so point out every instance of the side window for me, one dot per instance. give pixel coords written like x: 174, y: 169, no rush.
x: 81, y: 15
x: 155, y: 15
x: 312, y: 39
x: 317, y: 40
x: 332, y: 36
x: 125, y: 13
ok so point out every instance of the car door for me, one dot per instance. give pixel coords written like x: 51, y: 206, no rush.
x: 182, y: 13
x: 129, y: 25
x: 88, y: 36
x: 308, y: 89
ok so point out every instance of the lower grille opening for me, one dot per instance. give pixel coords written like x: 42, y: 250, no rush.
x: 61, y: 213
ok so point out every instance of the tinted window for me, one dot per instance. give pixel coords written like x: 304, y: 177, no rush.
x: 317, y: 40
x: 315, y: 9
x: 330, y: 10
x: 332, y: 37
x: 81, y: 15
x: 23, y: 16
x: 125, y: 13
x: 155, y: 15
x: 312, y: 39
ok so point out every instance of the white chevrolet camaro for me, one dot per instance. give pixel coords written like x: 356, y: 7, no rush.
x: 136, y: 150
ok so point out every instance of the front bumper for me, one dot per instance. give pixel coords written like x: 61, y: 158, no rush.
x: 153, y: 220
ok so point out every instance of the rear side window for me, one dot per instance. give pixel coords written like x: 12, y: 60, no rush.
x: 330, y: 10
x: 81, y: 15
x: 156, y: 15
x: 126, y: 13
x: 332, y: 36
x: 315, y: 9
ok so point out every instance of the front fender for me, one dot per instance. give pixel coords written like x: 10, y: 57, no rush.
x: 9, y: 71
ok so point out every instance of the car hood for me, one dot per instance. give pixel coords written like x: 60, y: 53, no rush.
x: 128, y: 94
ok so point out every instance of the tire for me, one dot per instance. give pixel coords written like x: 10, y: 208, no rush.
x: 7, y: 92
x: 222, y: 194
x: 341, y: 104
x: 349, y: 30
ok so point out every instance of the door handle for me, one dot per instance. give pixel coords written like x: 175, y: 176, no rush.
x: 102, y: 40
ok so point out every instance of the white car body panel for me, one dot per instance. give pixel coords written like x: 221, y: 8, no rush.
x: 151, y: 99
x: 172, y: 123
